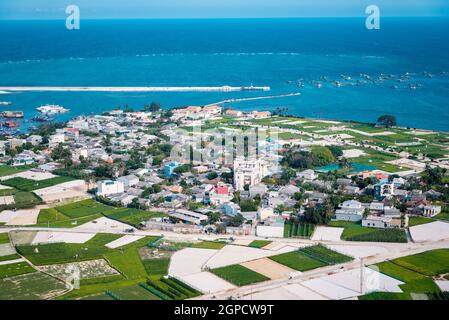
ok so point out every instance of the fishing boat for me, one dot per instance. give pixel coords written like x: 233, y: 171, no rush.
x: 12, y: 114
x: 8, y: 124
x: 52, y: 109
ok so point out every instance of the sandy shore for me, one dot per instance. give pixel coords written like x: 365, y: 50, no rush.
x: 134, y: 89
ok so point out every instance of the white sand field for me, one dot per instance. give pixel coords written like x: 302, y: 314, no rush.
x: 344, y: 285
x: 353, y: 153
x: 2, y: 263
x: 279, y: 293
x: 120, y: 242
x: 6, y: 200
x: 269, y: 268
x: 76, y: 189
x: 303, y: 293
x: 24, y: 217
x: 7, y: 215
x: 43, y: 237
x: 6, y: 249
x: 31, y: 175
x: 327, y: 234
x: 2, y: 187
x: 358, y: 251
x: 237, y: 254
x: 104, y: 224
x: 242, y: 242
x: 189, y: 261
x: 434, y: 231
x: 206, y: 282
x: 443, y: 285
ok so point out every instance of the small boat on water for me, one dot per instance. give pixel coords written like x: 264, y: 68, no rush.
x: 8, y: 124
x: 52, y: 109
x: 12, y: 114
x: 4, y: 103
x: 43, y: 118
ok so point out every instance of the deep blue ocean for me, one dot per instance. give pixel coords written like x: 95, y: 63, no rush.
x: 263, y: 52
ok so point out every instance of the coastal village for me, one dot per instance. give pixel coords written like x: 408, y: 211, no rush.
x: 113, y: 173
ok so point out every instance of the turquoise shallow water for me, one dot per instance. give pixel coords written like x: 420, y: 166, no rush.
x: 275, y: 53
x: 355, y: 167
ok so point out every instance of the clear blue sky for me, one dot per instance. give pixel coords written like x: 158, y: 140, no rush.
x: 104, y: 9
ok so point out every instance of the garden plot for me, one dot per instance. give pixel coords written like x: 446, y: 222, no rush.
x: 104, y: 224
x: 358, y: 251
x: 346, y: 284
x: 31, y: 286
x: 120, y: 242
x: 269, y: 268
x: 20, y: 217
x: 237, y: 254
x: 7, y: 200
x: 434, y: 231
x: 88, y: 269
x: 189, y: 261
x: 30, y: 175
x: 327, y: 234
x: 206, y: 282
x: 44, y: 237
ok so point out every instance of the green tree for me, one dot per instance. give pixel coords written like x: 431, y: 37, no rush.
x: 387, y: 121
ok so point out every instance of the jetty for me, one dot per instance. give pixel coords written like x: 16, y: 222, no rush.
x: 134, y: 89
x: 254, y: 98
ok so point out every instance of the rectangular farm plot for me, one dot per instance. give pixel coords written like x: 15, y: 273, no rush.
x: 309, y: 258
x: 15, y: 269
x: 88, y: 269
x: 259, y: 243
x: 269, y: 268
x: 133, y: 293
x: 429, y: 263
x: 25, y: 184
x: 31, y: 286
x: 298, y: 261
x: 239, y: 275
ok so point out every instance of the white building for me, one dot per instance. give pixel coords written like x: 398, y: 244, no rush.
x: 383, y: 222
x: 108, y: 187
x: 431, y: 210
x: 129, y: 181
x: 56, y: 139
x: 248, y: 172
x: 307, y: 175
x: 189, y: 216
x: 351, y: 210
x: 272, y: 228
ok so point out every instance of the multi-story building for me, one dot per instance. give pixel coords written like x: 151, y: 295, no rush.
x: 248, y: 172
